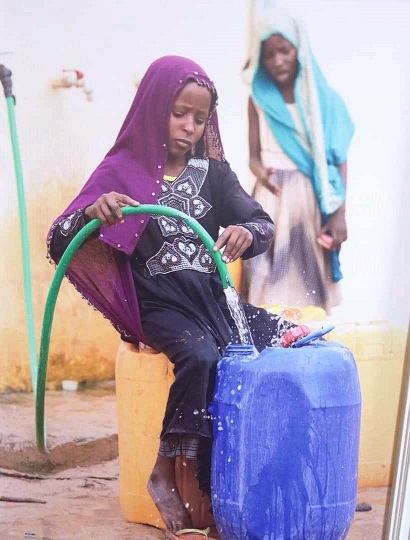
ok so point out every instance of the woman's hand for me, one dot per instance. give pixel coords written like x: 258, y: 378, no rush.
x: 107, y: 208
x: 265, y: 179
x: 236, y: 240
x: 337, y: 228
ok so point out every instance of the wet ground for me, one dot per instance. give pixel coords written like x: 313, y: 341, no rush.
x: 81, y: 429
x: 82, y: 504
x: 79, y: 499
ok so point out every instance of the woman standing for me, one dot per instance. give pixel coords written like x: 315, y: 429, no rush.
x: 299, y: 135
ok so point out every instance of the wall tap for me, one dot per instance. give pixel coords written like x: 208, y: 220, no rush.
x: 70, y: 78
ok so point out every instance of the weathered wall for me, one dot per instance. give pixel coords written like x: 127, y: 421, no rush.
x: 83, y: 344
x: 363, y: 48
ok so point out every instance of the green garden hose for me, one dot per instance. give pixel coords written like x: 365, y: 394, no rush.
x: 5, y: 79
x: 77, y: 241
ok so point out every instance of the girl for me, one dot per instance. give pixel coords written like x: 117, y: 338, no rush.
x: 151, y: 276
x: 299, y: 135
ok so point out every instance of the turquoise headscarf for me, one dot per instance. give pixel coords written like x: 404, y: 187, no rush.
x: 325, y: 119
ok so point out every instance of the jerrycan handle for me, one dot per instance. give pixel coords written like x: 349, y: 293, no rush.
x: 316, y: 334
x: 239, y: 349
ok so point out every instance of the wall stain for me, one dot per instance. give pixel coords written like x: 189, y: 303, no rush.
x: 83, y: 344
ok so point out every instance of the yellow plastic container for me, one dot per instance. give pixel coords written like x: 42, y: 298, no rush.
x: 379, y: 352
x: 298, y: 315
x: 235, y: 270
x: 143, y: 378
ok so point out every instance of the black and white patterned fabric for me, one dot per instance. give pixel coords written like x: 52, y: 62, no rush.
x: 68, y: 226
x: 254, y: 226
x: 182, y: 254
x: 179, y: 445
x: 186, y: 251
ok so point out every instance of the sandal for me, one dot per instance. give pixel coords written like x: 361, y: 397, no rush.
x: 189, y: 534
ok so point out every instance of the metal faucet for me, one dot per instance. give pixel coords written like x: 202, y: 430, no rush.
x: 70, y: 78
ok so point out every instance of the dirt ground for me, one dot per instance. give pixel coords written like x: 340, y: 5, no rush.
x: 71, y: 493
x: 82, y: 504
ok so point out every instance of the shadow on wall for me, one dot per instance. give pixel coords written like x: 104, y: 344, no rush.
x: 83, y: 344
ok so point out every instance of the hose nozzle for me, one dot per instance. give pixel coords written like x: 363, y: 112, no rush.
x: 5, y: 78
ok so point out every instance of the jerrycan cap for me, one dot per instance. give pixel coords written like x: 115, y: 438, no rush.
x: 237, y: 349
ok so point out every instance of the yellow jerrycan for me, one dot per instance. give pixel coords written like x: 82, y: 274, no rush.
x: 235, y: 269
x: 143, y: 378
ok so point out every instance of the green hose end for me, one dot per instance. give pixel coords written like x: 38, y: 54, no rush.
x: 40, y: 422
x: 229, y: 280
x: 40, y: 445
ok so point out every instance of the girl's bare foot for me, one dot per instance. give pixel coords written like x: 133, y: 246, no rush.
x: 164, y: 492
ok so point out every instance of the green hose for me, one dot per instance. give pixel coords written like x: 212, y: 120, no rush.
x: 77, y: 241
x: 5, y: 77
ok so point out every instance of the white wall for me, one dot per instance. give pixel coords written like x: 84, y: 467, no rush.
x: 362, y: 46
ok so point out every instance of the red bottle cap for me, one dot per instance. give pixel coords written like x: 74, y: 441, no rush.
x: 293, y: 334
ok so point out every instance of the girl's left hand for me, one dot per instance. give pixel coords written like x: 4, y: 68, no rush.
x: 236, y: 240
x: 337, y: 228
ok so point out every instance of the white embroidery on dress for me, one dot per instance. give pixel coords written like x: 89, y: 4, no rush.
x: 186, y: 251
x: 255, y: 226
x: 183, y: 194
x: 68, y: 225
x: 182, y: 254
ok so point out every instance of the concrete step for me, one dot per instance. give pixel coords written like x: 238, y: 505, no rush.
x: 81, y: 429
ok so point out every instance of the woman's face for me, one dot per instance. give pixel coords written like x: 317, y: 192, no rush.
x: 280, y: 59
x: 189, y: 114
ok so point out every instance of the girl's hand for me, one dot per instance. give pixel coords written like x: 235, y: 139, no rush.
x: 337, y: 228
x: 236, y: 240
x: 266, y: 180
x: 107, y: 208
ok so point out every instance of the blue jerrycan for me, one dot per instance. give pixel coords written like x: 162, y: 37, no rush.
x: 286, y: 448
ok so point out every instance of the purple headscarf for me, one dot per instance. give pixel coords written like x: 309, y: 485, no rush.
x: 134, y: 166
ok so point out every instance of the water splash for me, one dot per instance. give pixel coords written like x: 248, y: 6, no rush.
x: 238, y: 315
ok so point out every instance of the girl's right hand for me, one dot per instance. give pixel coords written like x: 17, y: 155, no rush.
x: 265, y: 179
x: 107, y: 208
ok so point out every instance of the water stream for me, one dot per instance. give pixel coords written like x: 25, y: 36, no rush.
x: 238, y: 315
